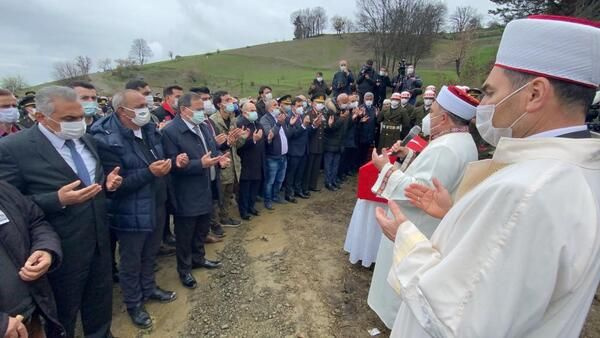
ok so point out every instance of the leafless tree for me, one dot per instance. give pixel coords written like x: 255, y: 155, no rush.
x: 105, y: 64
x: 65, y: 70
x: 339, y: 24
x: 13, y: 83
x: 84, y: 65
x: 125, y: 63
x: 140, y: 51
x: 463, y: 22
x: 308, y: 22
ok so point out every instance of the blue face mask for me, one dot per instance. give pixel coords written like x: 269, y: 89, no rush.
x: 198, y: 116
x: 90, y: 108
x: 288, y: 109
x: 252, y: 116
x: 230, y: 108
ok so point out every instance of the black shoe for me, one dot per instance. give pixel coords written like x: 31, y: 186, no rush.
x: 231, y: 223
x: 254, y: 212
x: 169, y: 240
x: 302, y: 195
x: 279, y: 201
x: 188, y: 280
x: 140, y: 317
x: 291, y: 199
x: 315, y: 189
x: 162, y: 296
x: 269, y: 205
x: 207, y: 264
x: 166, y: 251
x: 306, y: 193
x: 217, y: 230
x: 246, y: 217
x: 337, y: 185
x: 330, y: 187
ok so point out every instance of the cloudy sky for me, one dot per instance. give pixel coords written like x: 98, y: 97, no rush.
x: 38, y: 33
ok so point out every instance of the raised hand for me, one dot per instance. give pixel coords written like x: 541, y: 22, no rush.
x: 294, y: 119
x: 182, y: 160
x: 331, y: 120
x: 306, y: 121
x: 224, y: 160
x: 388, y: 225
x: 67, y: 195
x: 258, y: 134
x: 435, y: 202
x: 113, y: 180
x: 364, y: 119
x: 379, y: 161
x: 221, y: 138
x: 270, y: 135
x: 160, y: 168
x: 208, y: 161
x: 36, y: 265
x: 281, y: 118
x: 246, y: 132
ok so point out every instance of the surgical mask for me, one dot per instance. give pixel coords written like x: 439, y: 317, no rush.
x: 485, y: 116
x: 70, y: 130
x: 230, y: 107
x: 269, y: 96
x: 252, y: 116
x: 9, y: 115
x: 90, y: 108
x: 426, y: 125
x: 395, y: 104
x: 299, y: 110
x: 288, y: 109
x: 368, y: 103
x: 344, y: 106
x: 343, y: 68
x: 403, y: 101
x: 382, y: 73
x: 175, y: 102
x: 320, y: 79
x: 319, y: 106
x: 149, y: 101
x: 275, y: 112
x: 428, y: 102
x: 198, y: 116
x: 209, y: 107
x: 142, y: 116
x: 354, y: 105
x: 304, y: 104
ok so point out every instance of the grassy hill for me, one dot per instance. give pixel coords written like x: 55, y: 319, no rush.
x: 288, y: 66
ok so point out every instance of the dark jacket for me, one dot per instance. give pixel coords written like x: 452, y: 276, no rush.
x: 366, y: 130
x: 163, y: 114
x: 268, y: 122
x: 252, y: 154
x: 192, y: 186
x: 132, y: 206
x: 29, y: 162
x: 366, y: 80
x: 381, y: 85
x: 342, y: 83
x: 350, y: 133
x: 260, y: 108
x: 315, y: 138
x: 26, y: 232
x: 334, y: 134
x: 411, y: 84
x: 318, y: 88
x: 298, y: 137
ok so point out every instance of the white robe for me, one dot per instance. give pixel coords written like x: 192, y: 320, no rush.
x: 444, y: 158
x: 517, y: 256
x: 364, y: 234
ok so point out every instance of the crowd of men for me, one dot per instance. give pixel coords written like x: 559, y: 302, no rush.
x: 156, y: 172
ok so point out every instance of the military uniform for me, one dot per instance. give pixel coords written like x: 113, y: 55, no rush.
x: 315, y: 152
x: 418, y: 114
x: 395, y: 124
x: 25, y: 120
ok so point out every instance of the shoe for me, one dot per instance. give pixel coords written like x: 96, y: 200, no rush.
x: 254, y: 212
x: 278, y: 200
x: 315, y: 189
x: 207, y: 264
x: 164, y: 251
x: 302, y: 195
x: 188, y: 280
x: 170, y: 240
x: 269, y: 206
x: 337, y: 185
x: 306, y: 193
x: 140, y: 317
x: 259, y: 199
x: 246, y: 217
x: 212, y: 239
x: 330, y: 187
x: 231, y: 223
x: 217, y: 230
x: 291, y: 199
x: 162, y: 296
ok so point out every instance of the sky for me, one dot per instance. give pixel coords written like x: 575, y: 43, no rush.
x: 38, y: 33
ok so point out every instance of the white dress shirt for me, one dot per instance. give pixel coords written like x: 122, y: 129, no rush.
x: 59, y: 144
x: 213, y: 172
x: 560, y: 131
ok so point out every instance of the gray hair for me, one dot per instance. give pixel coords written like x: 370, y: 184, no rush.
x: 120, y: 98
x: 268, y: 103
x: 368, y: 94
x: 45, y: 97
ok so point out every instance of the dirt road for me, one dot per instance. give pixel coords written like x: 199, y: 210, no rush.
x: 285, y: 274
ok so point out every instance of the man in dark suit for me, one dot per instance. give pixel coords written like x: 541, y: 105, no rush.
x: 299, y: 129
x: 317, y: 113
x: 57, y: 165
x: 195, y: 185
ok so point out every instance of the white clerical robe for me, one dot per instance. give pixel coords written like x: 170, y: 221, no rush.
x: 517, y: 256
x: 445, y: 158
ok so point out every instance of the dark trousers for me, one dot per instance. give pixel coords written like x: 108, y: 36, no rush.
x: 311, y: 172
x: 191, y: 233
x: 113, y: 250
x: 137, y: 250
x: 364, y: 155
x: 247, y: 197
x: 293, y: 180
x: 83, y: 284
x: 332, y: 163
x: 348, y: 162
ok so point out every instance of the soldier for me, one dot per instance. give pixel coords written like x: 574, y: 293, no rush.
x: 422, y: 111
x: 395, y: 121
x: 27, y: 109
x: 317, y: 113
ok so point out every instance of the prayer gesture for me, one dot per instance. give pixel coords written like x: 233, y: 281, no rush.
x: 182, y: 160
x: 258, y: 134
x: 306, y: 121
x: 364, y: 119
x: 435, y: 202
x: 224, y: 160
x: 221, y: 138
x: 208, y: 161
x: 160, y: 168
x: 379, y: 161
x: 67, y: 195
x: 330, y: 121
x: 270, y: 135
x: 318, y: 120
x: 388, y: 225
x: 113, y: 180
x: 281, y: 118
x: 36, y: 265
x: 294, y: 119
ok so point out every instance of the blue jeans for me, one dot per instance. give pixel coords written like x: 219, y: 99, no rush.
x: 274, y: 176
x: 331, y: 164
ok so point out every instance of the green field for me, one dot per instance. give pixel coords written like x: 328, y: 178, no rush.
x: 288, y: 66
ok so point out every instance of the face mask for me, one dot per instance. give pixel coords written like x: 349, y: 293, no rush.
x: 198, y: 116
x: 410, y: 70
x: 149, y: 101
x: 381, y: 73
x: 320, y: 79
x: 142, y: 116
x: 484, y: 117
x: 344, y: 106
x: 426, y: 125
x: 275, y: 112
x: 403, y: 101
x: 209, y: 107
x: 428, y: 102
x: 288, y: 109
x: 252, y: 116
x: 368, y: 103
x: 395, y: 104
x: 9, y: 115
x: 299, y: 110
x: 304, y: 104
x: 319, y: 106
x: 70, y: 130
x: 230, y: 107
x: 89, y: 108
x: 269, y: 96
x: 343, y: 68
x: 175, y: 102
x: 354, y: 105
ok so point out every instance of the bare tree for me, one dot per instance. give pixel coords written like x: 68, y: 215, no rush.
x: 84, y: 65
x: 125, y: 63
x: 339, y: 24
x: 13, y: 83
x: 308, y: 22
x: 320, y: 20
x: 140, y: 51
x: 105, y: 64
x: 464, y: 22
x: 65, y: 70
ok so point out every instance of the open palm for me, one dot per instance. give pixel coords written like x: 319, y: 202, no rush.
x: 436, y: 201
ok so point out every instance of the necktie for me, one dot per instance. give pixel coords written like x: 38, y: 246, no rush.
x: 82, y: 171
x: 213, y: 173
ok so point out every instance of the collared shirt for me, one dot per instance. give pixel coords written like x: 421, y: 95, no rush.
x: 65, y: 153
x: 213, y: 172
x: 560, y: 131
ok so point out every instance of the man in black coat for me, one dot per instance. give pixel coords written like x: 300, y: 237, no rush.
x: 168, y: 108
x: 264, y: 94
x: 195, y: 184
x: 319, y: 86
x: 29, y: 247
x: 366, y: 82
x: 316, y: 113
x: 57, y: 165
x: 252, y: 155
x: 382, y: 83
x: 299, y: 129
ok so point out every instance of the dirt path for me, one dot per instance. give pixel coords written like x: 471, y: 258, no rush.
x: 285, y: 275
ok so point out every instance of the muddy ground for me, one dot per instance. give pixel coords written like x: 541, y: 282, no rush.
x: 285, y: 274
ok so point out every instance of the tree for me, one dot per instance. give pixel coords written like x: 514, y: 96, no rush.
x: 13, y: 83
x: 338, y: 23
x: 140, y: 51
x: 308, y: 22
x: 464, y: 22
x: 83, y: 64
x: 65, y: 70
x: 171, y: 54
x: 514, y: 9
x: 105, y: 64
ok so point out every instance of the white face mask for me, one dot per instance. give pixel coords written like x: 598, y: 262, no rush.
x: 175, y: 102
x: 320, y: 79
x: 9, y: 115
x: 269, y: 96
x: 368, y: 103
x: 344, y: 106
x: 142, y: 116
x: 428, y: 102
x: 354, y: 105
x: 381, y: 73
x: 70, y: 130
x: 343, y: 68
x: 485, y: 115
x: 149, y: 101
x: 426, y: 125
x: 404, y: 102
x: 209, y: 107
x: 319, y: 106
x: 299, y: 110
x: 395, y: 104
